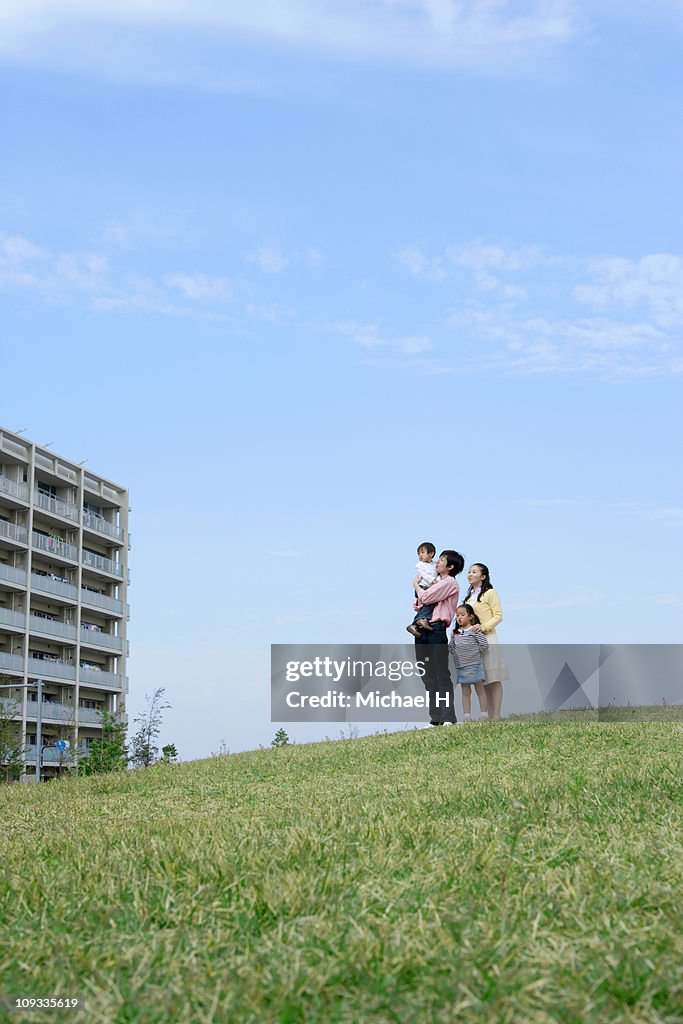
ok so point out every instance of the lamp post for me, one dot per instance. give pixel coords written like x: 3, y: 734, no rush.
x: 39, y: 727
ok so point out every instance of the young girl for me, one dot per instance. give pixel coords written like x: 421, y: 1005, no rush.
x: 486, y: 605
x: 467, y: 647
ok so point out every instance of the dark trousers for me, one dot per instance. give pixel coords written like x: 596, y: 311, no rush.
x: 432, y: 649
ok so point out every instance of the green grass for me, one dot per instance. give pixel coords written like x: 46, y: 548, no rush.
x: 492, y: 873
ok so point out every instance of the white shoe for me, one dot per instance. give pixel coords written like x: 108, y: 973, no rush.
x: 450, y: 723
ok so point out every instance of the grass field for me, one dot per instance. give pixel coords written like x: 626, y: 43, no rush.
x: 495, y: 873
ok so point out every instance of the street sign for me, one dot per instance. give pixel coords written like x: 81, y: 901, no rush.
x: 62, y: 745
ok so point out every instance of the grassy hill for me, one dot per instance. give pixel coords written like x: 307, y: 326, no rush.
x: 528, y: 873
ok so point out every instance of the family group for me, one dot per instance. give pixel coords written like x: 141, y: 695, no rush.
x: 473, y: 648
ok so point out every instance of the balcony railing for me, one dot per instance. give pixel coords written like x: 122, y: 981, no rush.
x: 14, y: 488
x: 56, y: 669
x: 57, y: 712
x: 98, y: 638
x: 52, y: 627
x: 104, y: 564
x: 13, y: 532
x: 11, y: 662
x: 49, y: 585
x: 89, y: 716
x: 92, y: 677
x: 52, y: 756
x: 12, y: 575
x: 53, y: 710
x: 8, y: 617
x: 56, y: 505
x: 55, y: 546
x: 93, y: 522
x: 112, y: 604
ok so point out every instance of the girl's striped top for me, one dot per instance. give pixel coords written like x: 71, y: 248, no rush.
x: 467, y: 647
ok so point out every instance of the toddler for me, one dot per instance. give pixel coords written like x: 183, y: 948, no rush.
x: 426, y: 570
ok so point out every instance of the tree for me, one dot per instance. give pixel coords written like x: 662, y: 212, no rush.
x: 144, y: 747
x: 169, y: 754
x: 281, y: 739
x: 10, y: 739
x: 109, y: 753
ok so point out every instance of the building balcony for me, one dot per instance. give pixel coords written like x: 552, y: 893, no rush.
x: 15, y: 620
x: 98, y: 524
x: 55, y: 547
x: 53, y: 711
x: 8, y: 574
x: 89, y: 716
x: 101, y: 564
x: 56, y: 506
x: 52, y: 627
x: 52, y: 756
x: 11, y: 662
x: 98, y: 638
x: 16, y: 535
x: 93, y: 600
x: 95, y: 677
x: 52, y: 585
x: 12, y: 489
x: 51, y: 668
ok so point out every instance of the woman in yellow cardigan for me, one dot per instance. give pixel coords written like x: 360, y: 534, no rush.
x: 485, y: 602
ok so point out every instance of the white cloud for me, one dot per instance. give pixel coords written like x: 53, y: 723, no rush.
x: 271, y: 313
x: 669, y: 516
x: 482, y: 260
x: 654, y: 282
x: 368, y: 336
x: 273, y: 260
x: 493, y: 285
x: 269, y: 259
x: 599, y: 346
x: 201, y: 286
x: 63, y: 277
x: 491, y: 34
x: 26, y: 265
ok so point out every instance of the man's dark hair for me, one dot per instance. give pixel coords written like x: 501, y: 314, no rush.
x: 454, y: 561
x: 428, y: 546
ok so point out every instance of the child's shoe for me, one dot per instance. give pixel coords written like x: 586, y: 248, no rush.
x: 412, y: 628
x: 425, y: 624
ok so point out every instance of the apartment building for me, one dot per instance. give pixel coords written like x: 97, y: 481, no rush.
x: 64, y: 547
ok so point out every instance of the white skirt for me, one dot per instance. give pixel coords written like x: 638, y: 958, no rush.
x: 495, y: 668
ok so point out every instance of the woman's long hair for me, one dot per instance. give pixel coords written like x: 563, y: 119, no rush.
x: 485, y: 584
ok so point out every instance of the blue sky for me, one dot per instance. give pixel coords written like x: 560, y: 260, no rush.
x: 350, y: 275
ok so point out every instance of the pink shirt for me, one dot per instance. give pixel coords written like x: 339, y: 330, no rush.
x: 445, y: 595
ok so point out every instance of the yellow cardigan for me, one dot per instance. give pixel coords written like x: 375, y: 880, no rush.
x: 489, y: 611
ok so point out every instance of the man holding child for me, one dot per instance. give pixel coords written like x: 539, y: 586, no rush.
x: 431, y: 641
